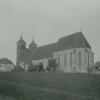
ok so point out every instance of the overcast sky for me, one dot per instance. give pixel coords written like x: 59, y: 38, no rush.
x: 46, y: 21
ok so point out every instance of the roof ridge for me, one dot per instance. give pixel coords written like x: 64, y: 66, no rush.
x: 71, y: 34
x: 6, y: 61
x: 47, y: 44
x: 86, y: 42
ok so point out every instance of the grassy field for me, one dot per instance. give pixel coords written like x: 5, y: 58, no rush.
x: 50, y: 86
x: 4, y: 97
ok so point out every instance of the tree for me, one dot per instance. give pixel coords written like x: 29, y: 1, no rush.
x: 18, y: 69
x: 36, y: 68
x: 52, y: 65
x: 97, y: 66
x: 90, y: 69
x: 40, y: 67
x: 32, y: 68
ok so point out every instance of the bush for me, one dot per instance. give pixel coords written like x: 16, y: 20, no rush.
x: 18, y: 69
x: 52, y: 65
x: 36, y: 68
x: 40, y: 67
x: 31, y: 68
x: 97, y: 66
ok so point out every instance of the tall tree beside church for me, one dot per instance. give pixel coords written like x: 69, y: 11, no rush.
x: 97, y: 66
x: 52, y: 65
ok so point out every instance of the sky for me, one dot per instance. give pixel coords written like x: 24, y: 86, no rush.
x: 46, y: 21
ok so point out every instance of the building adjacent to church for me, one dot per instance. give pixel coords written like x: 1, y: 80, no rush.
x: 73, y: 53
x: 6, y: 65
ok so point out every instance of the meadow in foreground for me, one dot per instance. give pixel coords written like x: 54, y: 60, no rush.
x: 50, y: 86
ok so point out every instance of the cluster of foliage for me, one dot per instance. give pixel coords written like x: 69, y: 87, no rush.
x: 36, y: 68
x: 18, y: 69
x: 90, y: 69
x: 94, y: 68
x: 52, y: 65
x: 97, y: 66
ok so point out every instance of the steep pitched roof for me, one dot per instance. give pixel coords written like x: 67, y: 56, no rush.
x: 43, y: 51
x: 76, y: 40
x: 5, y: 61
x: 33, y: 44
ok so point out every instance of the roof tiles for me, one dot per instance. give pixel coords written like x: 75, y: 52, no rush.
x: 76, y: 40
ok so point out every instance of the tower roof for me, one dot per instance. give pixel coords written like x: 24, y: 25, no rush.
x: 33, y: 44
x: 21, y: 40
x: 5, y: 61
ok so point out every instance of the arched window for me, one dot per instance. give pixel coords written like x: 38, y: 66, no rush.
x: 22, y: 47
x: 59, y: 60
x: 71, y: 59
x: 79, y: 59
x: 65, y: 60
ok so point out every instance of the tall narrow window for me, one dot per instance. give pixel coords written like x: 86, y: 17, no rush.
x: 71, y: 59
x: 59, y: 60
x: 79, y: 59
x: 65, y: 60
x: 92, y: 57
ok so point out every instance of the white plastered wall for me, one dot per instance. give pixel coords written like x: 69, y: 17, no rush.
x: 86, y: 59
x: 6, y: 67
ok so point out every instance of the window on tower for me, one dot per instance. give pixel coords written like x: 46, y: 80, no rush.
x: 22, y: 47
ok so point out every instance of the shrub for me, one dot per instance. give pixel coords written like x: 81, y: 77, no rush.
x: 18, y: 69
x: 52, y: 65
x: 36, y: 68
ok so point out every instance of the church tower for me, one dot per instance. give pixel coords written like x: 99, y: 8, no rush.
x: 21, y: 51
x: 32, y: 46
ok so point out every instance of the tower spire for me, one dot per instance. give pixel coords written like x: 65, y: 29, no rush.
x: 33, y: 45
x: 32, y: 39
x: 21, y: 40
x: 21, y: 36
x: 80, y: 29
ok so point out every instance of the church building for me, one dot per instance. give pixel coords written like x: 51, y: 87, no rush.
x: 73, y: 53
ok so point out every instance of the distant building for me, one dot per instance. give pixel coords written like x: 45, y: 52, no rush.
x: 6, y: 65
x: 72, y: 53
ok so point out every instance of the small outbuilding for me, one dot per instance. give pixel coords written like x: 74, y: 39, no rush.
x: 6, y: 65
